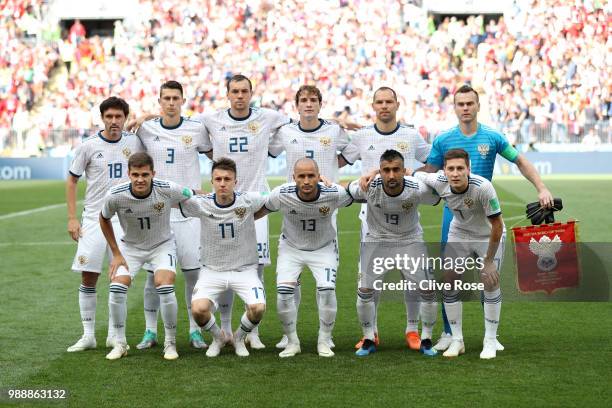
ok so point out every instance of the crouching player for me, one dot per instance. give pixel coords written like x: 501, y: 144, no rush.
x: 308, y: 238
x: 229, y: 256
x: 393, y: 229
x: 477, y: 231
x: 143, y: 208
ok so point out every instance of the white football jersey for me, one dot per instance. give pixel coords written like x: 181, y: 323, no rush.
x: 394, y: 218
x: 472, y: 208
x: 145, y: 220
x: 246, y: 141
x: 307, y: 225
x: 321, y: 144
x: 368, y: 144
x: 175, y: 150
x: 104, y: 163
x: 228, y: 235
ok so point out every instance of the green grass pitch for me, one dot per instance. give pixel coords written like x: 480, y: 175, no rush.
x: 557, y: 354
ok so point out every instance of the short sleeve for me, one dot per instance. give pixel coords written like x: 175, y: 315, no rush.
x: 276, y: 146
x: 179, y: 193
x: 79, y: 161
x: 257, y: 200
x: 343, y: 198
x: 193, y: 207
x: 422, y: 150
x: 355, y: 191
x: 436, y: 181
x: 205, y: 145
x: 351, y: 152
x: 436, y: 156
x: 109, y: 208
x: 279, y: 119
x: 489, y: 200
x: 273, y: 200
x: 342, y: 141
x: 427, y: 195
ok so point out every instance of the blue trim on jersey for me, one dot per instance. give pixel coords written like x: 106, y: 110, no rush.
x: 108, y: 140
x: 120, y: 190
x: 386, y: 133
x: 161, y: 123
x: 75, y: 175
x: 214, y: 197
x: 321, y: 123
x: 240, y: 119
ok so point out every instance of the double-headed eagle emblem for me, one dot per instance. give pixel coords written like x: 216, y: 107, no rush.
x: 545, y: 249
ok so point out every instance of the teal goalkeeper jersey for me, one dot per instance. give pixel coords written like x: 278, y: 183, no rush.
x: 483, y: 147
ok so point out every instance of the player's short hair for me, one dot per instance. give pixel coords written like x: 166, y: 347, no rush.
x: 140, y: 159
x: 390, y: 155
x: 384, y: 88
x: 114, y: 103
x: 238, y: 78
x: 307, y: 160
x: 171, y: 85
x: 311, y: 89
x: 224, y: 163
x: 465, y: 89
x: 457, y: 154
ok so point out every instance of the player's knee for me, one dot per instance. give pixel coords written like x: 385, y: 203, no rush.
x: 164, y: 277
x: 201, y: 310
x: 124, y: 280
x: 89, y: 279
x: 285, y: 294
x: 365, y: 295
x: 256, y: 311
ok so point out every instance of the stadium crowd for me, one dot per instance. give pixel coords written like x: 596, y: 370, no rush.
x: 545, y: 76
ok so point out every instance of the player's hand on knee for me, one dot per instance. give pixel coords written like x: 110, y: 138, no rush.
x: 74, y: 229
x: 114, y: 265
x: 489, y: 275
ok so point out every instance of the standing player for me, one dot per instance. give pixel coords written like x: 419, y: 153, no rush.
x: 229, y: 257
x: 483, y: 144
x: 393, y: 229
x: 243, y: 134
x: 143, y: 208
x: 313, y: 138
x: 367, y: 145
x: 174, y: 143
x: 103, y: 158
x: 308, y: 238
x: 476, y: 230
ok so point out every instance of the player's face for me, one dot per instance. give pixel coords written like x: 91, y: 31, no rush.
x: 170, y: 101
x: 141, y: 179
x: 392, y: 173
x: 306, y: 178
x: 308, y: 106
x: 457, y: 171
x: 385, y: 105
x: 114, y: 120
x: 466, y: 107
x: 239, y: 95
x: 224, y: 182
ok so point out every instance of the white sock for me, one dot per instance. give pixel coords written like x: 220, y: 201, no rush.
x: 246, y: 327
x: 376, y: 298
x: 225, y: 305
x: 328, y: 307
x: 287, y: 312
x: 492, y: 309
x: 297, y: 295
x: 429, y: 314
x: 117, y: 307
x: 87, y: 306
x: 212, y: 327
x: 454, y: 312
x: 191, y: 277
x: 366, y: 310
x: 411, y: 301
x: 169, y: 308
x: 151, y: 303
x: 260, y: 272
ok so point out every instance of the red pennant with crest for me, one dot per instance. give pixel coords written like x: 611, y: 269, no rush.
x: 547, y: 257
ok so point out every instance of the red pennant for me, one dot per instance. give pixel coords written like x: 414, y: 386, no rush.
x: 546, y: 257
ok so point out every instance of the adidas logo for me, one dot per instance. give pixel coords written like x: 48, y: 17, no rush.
x: 222, y: 129
x: 294, y: 141
x: 100, y: 156
x: 292, y: 212
x: 129, y: 211
x: 156, y: 139
x: 371, y: 148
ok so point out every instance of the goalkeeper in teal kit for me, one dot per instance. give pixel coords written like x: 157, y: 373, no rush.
x: 483, y: 145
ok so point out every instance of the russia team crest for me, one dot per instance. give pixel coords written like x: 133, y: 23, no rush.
x: 546, y: 257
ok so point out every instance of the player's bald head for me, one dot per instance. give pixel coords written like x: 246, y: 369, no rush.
x: 305, y: 164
